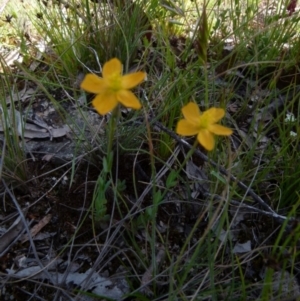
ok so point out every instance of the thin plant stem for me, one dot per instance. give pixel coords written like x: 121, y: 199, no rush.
x: 112, y: 128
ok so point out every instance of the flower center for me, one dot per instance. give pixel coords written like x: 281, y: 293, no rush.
x: 115, y: 82
x: 204, y: 121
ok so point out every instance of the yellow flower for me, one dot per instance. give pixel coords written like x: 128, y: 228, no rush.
x: 113, y: 87
x: 202, y: 124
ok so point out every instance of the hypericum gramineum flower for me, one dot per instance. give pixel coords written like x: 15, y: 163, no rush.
x: 113, y: 87
x: 202, y: 124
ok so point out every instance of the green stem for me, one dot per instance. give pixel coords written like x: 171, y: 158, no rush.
x: 206, y: 87
x: 112, y: 128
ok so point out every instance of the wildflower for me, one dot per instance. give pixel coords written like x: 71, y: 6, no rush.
x: 113, y: 87
x: 202, y: 124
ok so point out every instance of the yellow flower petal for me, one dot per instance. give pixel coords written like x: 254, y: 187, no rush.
x: 186, y: 128
x: 111, y: 68
x: 214, y: 114
x: 113, y: 87
x: 105, y: 102
x: 128, y: 99
x: 131, y: 80
x: 191, y: 112
x: 219, y: 130
x: 206, y: 139
x: 93, y: 84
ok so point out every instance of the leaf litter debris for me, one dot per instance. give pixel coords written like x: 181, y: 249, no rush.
x: 252, y: 224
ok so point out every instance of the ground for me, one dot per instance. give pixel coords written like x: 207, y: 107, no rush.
x: 166, y: 235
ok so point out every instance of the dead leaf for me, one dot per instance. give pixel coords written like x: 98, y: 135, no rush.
x: 148, y: 275
x: 12, y: 118
x: 60, y: 132
x: 283, y: 286
x: 3, y: 5
x: 94, y: 283
x: 14, y: 55
x: 37, y: 228
x: 238, y: 214
x: 32, y: 128
x: 44, y: 235
x: 242, y: 247
x: 200, y: 182
x: 48, y: 157
x: 14, y: 230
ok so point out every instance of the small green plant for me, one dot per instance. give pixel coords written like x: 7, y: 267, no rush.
x: 13, y: 155
x: 171, y: 227
x: 111, y: 90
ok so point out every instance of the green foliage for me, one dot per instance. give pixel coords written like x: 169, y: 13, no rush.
x: 13, y: 158
x: 99, y: 199
x: 265, y: 156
